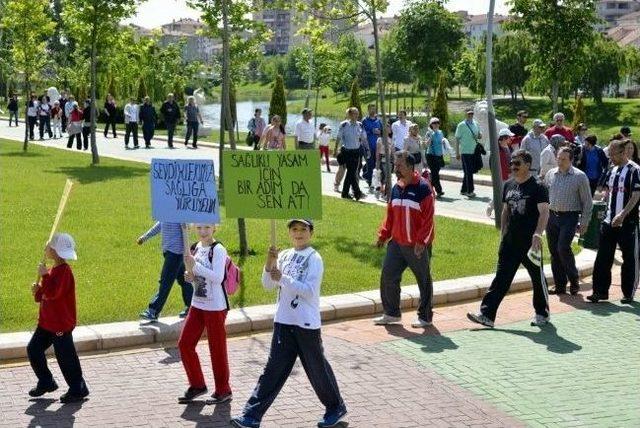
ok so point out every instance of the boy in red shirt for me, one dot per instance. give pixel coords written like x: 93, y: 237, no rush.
x: 56, y: 321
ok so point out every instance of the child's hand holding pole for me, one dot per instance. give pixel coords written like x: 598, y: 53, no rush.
x: 272, y: 258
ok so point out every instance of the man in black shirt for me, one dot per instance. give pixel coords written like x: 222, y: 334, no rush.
x: 171, y: 113
x: 524, y: 218
x: 518, y: 129
x: 63, y: 102
x: 619, y: 227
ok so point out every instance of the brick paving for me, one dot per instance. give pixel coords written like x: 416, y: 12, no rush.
x: 448, y: 375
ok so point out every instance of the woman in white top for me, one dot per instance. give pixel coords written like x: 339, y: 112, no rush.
x: 44, y: 116
x: 297, y: 274
x: 209, y: 306
x: 324, y: 137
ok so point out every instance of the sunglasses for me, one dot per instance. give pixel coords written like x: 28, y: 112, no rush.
x: 515, y: 163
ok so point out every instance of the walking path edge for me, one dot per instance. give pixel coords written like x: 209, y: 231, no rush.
x: 97, y: 337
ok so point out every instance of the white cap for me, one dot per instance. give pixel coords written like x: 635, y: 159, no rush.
x: 505, y: 132
x: 64, y: 245
x: 433, y: 120
x: 538, y: 122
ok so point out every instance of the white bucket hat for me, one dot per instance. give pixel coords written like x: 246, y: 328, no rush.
x: 64, y: 245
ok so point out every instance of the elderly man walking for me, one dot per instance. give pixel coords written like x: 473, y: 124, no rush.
x: 304, y: 133
x: 569, y: 203
x: 525, y: 212
x: 559, y: 128
x: 351, y: 138
x: 534, y: 143
x: 409, y: 230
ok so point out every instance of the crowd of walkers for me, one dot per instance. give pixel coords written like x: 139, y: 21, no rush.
x: 52, y: 118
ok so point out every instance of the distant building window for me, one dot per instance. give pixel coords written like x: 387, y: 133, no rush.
x: 623, y: 6
x: 611, y: 5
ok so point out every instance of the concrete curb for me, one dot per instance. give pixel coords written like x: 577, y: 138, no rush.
x: 127, y: 334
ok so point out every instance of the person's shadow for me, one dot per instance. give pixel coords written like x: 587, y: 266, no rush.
x: 63, y: 416
x: 548, y: 336
x: 220, y: 417
x: 430, y: 338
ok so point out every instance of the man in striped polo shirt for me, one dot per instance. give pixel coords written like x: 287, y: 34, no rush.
x: 619, y: 228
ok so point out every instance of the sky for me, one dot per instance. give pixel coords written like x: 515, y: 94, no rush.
x: 154, y: 13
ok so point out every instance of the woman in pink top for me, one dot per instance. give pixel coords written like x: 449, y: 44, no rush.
x: 273, y: 136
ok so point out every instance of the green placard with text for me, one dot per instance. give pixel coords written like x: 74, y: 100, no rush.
x: 272, y: 184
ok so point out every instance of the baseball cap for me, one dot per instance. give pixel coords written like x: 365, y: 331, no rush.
x: 306, y: 221
x: 64, y: 245
x: 625, y: 130
x: 505, y: 132
x: 538, y: 122
x: 469, y: 110
x: 434, y: 120
x: 306, y: 110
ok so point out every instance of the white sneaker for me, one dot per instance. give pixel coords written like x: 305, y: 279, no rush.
x: 336, y: 188
x: 539, y: 321
x: 489, y: 210
x: 420, y: 323
x: 479, y: 318
x: 386, y: 319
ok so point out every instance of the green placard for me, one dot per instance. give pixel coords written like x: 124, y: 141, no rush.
x: 272, y: 184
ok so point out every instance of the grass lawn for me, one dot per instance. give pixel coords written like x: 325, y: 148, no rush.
x: 110, y: 207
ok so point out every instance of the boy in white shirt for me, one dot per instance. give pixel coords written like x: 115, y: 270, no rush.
x: 209, y: 306
x: 297, y: 273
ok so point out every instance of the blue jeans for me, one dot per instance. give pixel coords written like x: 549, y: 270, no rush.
x: 371, y: 165
x: 289, y: 342
x: 172, y: 270
x: 560, y: 232
x: 467, y: 168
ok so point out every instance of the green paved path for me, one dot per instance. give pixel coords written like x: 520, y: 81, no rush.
x: 584, y: 370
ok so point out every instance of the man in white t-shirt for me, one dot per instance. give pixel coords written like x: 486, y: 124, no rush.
x: 400, y: 129
x: 304, y: 133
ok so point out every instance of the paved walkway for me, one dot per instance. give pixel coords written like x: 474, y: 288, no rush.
x: 580, y: 371
x: 452, y: 205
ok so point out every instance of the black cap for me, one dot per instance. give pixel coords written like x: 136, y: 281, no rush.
x: 306, y: 221
x: 625, y: 130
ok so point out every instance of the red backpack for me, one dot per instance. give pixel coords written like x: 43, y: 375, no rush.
x: 232, y: 273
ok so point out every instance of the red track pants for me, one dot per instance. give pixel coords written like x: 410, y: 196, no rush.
x: 197, y: 320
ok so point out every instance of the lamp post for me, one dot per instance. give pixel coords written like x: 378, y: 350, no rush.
x: 494, y: 159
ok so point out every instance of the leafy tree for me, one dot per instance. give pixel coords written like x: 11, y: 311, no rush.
x: 29, y: 24
x: 604, y: 67
x: 294, y: 74
x: 352, y: 60
x: 278, y: 103
x: 93, y: 23
x: 561, y: 32
x: 429, y: 37
x: 354, y: 99
x: 440, y: 109
x: 510, y: 59
x: 464, y: 71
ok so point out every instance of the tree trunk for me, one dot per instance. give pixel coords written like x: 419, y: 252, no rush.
x: 309, y: 77
x: 459, y: 92
x: 315, y: 115
x: 385, y: 137
x: 95, y: 159
x: 412, y: 95
x: 554, y: 96
x: 397, y: 98
x: 226, y: 81
x: 27, y: 88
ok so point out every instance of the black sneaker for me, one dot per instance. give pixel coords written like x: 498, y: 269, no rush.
x: 41, y: 390
x: 191, y: 393
x: 595, y: 297
x: 218, y: 399
x: 574, y: 289
x: 626, y: 300
x: 72, y: 397
x: 148, y: 315
x: 558, y: 290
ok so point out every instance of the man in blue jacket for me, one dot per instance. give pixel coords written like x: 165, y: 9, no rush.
x: 593, y: 162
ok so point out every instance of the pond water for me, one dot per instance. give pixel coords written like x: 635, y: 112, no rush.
x: 245, y: 109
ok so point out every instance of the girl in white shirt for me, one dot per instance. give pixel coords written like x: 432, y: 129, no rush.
x: 209, y: 305
x: 297, y: 274
x: 324, y: 137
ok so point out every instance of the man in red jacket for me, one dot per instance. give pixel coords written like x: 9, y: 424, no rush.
x: 57, y: 319
x: 408, y: 229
